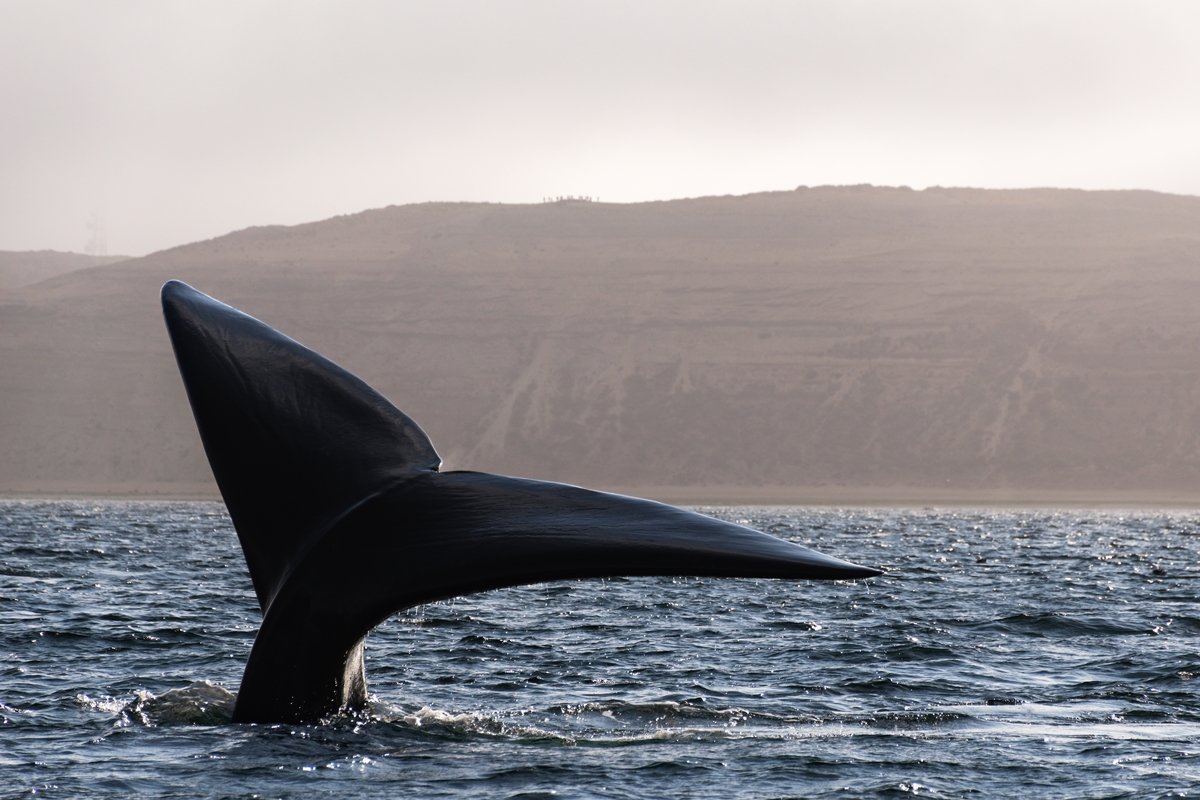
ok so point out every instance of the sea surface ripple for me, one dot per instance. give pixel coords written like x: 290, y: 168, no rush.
x: 1040, y: 653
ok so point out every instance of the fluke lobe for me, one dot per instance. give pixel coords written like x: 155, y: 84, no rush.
x: 345, y: 519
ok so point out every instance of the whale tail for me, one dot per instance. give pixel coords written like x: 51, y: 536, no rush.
x: 345, y: 518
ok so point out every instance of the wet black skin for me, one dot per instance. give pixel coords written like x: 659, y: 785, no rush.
x: 345, y: 518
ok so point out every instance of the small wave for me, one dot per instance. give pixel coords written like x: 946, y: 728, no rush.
x: 107, y: 703
x: 604, y: 724
x: 30, y: 572
x: 464, y: 725
x: 1055, y: 623
x: 469, y: 725
x: 902, y: 720
x: 668, y: 712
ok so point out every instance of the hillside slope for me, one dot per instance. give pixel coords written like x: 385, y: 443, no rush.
x: 842, y: 337
x: 22, y: 268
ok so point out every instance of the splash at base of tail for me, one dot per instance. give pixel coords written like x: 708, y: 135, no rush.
x: 345, y: 518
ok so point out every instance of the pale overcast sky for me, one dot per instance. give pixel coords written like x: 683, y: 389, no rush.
x: 180, y: 121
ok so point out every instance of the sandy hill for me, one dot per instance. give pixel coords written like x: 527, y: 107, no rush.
x: 830, y: 341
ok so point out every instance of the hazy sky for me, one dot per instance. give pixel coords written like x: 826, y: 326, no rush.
x: 179, y: 121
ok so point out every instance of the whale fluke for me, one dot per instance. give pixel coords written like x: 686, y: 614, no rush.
x: 345, y: 518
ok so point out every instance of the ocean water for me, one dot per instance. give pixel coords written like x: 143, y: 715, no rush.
x: 1031, y: 653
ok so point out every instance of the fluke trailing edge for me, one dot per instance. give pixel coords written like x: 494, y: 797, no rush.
x: 345, y: 519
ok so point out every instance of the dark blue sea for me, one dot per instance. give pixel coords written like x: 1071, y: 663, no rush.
x: 1005, y: 653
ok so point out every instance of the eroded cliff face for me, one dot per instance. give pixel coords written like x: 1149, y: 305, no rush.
x: 845, y: 337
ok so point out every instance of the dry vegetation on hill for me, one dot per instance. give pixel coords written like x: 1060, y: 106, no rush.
x: 848, y: 341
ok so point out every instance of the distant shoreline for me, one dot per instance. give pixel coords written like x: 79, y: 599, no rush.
x: 810, y: 496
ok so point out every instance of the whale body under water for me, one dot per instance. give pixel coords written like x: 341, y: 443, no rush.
x: 345, y: 518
